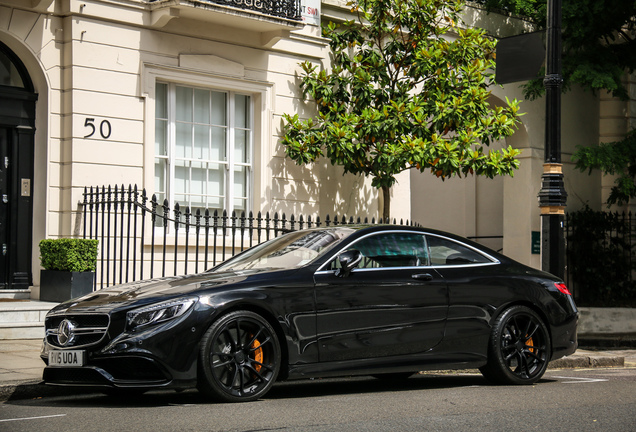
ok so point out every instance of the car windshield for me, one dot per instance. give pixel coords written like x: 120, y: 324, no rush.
x: 291, y: 250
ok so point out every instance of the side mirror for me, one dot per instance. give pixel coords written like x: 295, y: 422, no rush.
x: 348, y: 261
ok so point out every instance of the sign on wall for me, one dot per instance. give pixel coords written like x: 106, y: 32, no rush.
x: 310, y: 11
x: 97, y: 128
x: 536, y: 242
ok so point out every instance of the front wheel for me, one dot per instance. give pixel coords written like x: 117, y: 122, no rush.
x: 239, y: 359
x: 519, y: 348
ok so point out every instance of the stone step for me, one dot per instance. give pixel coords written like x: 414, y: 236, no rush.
x: 23, y: 319
x: 13, y: 331
x: 15, y: 294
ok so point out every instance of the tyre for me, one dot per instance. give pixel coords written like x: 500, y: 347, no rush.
x: 519, y: 348
x: 239, y: 358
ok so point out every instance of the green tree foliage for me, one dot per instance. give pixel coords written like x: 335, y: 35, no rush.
x: 615, y: 158
x: 599, y: 47
x: 401, y: 94
x: 598, y: 41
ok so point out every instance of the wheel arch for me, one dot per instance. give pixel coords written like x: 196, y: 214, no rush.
x: 269, y: 316
x: 514, y: 356
x: 530, y: 305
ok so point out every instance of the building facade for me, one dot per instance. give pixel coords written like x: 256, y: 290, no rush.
x: 185, y: 98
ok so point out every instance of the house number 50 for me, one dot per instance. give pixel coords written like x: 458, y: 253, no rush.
x: 104, y: 128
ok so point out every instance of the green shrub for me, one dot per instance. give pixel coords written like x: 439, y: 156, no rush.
x: 74, y: 255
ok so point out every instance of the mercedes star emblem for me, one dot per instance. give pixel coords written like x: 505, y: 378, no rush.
x: 66, y: 332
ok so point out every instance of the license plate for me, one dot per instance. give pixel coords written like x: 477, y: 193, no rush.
x: 67, y: 358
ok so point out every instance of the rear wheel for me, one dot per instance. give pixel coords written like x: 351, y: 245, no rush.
x: 519, y: 348
x: 239, y: 358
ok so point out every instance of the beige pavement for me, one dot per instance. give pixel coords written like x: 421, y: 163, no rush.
x: 20, y: 361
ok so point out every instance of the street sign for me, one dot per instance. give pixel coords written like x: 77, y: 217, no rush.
x: 519, y: 58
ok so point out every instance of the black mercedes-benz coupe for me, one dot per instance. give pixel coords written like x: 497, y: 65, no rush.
x: 386, y: 301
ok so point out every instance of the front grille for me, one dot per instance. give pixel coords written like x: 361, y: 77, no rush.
x: 82, y: 330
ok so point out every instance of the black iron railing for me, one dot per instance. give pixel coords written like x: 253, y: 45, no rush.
x: 601, y: 257
x: 140, y: 237
x: 289, y: 9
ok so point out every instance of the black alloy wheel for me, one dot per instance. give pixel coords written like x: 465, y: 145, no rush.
x: 239, y: 359
x: 519, y: 348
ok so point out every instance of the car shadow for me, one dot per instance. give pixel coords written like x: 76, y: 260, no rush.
x: 361, y: 385
x: 309, y: 388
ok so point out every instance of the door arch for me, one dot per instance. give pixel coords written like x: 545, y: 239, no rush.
x: 17, y: 137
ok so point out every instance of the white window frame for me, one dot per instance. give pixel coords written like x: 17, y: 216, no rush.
x: 228, y: 164
x: 262, y: 94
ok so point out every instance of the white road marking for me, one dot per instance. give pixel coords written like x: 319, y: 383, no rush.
x: 580, y: 380
x: 33, y: 418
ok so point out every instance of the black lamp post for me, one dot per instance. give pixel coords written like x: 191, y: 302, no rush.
x: 552, y: 196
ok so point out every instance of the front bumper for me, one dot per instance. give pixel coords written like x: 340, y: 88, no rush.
x: 118, y: 371
x: 162, y: 356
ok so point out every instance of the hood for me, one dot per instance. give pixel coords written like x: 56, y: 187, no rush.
x: 152, y: 290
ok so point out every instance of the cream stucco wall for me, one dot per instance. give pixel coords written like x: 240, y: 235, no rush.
x: 99, y: 59
x: 96, y: 62
x: 30, y: 37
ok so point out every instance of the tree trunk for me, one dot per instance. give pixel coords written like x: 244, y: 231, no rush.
x: 386, y: 204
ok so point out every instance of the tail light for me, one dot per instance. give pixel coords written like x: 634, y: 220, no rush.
x: 561, y: 287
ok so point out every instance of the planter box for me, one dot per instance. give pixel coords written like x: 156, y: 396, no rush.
x: 58, y: 286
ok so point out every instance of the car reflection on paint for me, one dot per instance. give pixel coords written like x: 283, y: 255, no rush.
x: 386, y: 301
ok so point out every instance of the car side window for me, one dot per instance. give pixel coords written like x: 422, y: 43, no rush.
x: 395, y: 249
x: 447, y: 252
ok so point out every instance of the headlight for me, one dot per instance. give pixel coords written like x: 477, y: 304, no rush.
x: 159, y: 312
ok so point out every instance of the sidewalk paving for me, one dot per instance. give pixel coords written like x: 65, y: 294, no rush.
x: 21, y: 367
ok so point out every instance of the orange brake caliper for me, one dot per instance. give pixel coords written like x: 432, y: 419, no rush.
x: 530, y: 343
x: 258, y: 355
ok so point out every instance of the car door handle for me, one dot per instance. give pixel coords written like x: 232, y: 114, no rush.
x: 423, y: 276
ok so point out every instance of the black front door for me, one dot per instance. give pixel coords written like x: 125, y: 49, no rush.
x: 17, y: 138
x: 5, y: 207
x: 16, y: 206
